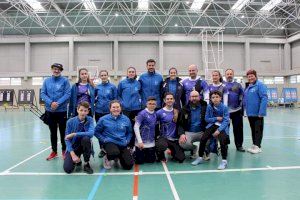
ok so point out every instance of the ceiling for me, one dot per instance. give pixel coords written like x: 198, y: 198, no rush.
x: 62, y: 17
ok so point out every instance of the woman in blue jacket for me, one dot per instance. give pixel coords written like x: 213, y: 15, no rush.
x: 104, y: 93
x: 255, y: 104
x: 129, y: 96
x: 82, y: 91
x: 114, y: 131
x: 174, y: 85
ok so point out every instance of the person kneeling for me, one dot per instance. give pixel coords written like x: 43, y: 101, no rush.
x: 217, y: 117
x: 144, y: 129
x: 114, y: 131
x: 80, y: 130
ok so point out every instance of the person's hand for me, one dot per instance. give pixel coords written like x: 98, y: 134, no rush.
x: 140, y: 145
x: 219, y: 119
x: 182, y: 139
x: 75, y: 158
x: 54, y: 105
x: 70, y: 136
x: 216, y: 133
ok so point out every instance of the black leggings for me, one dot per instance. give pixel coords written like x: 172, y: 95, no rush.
x: 176, y: 151
x: 114, y: 151
x: 57, y: 119
x: 257, y: 128
x: 83, y: 146
x: 222, y: 137
x: 131, y: 115
x: 146, y: 155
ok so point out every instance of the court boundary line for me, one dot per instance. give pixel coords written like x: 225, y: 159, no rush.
x: 135, y: 192
x: 171, y: 183
x: 141, y: 173
x: 96, y: 185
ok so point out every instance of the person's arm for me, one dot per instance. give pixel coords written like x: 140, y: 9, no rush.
x: 68, y: 132
x: 89, y: 132
x: 225, y: 97
x: 115, y: 92
x: 129, y: 131
x: 98, y: 130
x: 262, y: 92
x: 44, y: 94
x: 71, y: 103
x: 225, y: 121
x: 209, y: 117
x: 67, y: 93
x: 119, y: 92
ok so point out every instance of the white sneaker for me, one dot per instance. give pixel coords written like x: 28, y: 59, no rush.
x: 255, y: 150
x: 106, y: 163
x: 251, y: 148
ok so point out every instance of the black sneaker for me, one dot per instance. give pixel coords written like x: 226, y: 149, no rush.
x: 87, y: 168
x: 240, y: 149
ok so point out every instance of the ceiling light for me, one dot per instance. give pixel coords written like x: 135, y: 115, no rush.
x: 197, y: 4
x: 270, y: 5
x: 240, y: 4
x: 143, y: 4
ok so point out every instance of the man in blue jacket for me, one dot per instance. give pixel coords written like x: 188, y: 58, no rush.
x: 80, y: 130
x: 151, y: 83
x: 56, y: 94
x: 235, y: 101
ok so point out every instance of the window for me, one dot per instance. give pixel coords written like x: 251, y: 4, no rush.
x: 293, y: 79
x: 37, y: 80
x: 268, y: 80
x: 15, y: 81
x: 4, y: 81
x: 298, y: 78
x: 279, y: 80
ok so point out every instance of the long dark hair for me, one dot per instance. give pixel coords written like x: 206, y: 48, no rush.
x: 88, y: 79
x: 220, y: 75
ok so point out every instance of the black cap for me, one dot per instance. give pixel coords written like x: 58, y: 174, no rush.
x: 60, y: 66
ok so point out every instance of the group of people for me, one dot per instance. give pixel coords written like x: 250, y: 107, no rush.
x: 140, y: 121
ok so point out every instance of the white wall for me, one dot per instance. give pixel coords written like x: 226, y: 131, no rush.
x: 265, y: 57
x: 295, y: 55
x: 136, y: 54
x: 93, y: 54
x: 45, y: 54
x: 234, y: 57
x: 181, y: 55
x: 12, y: 58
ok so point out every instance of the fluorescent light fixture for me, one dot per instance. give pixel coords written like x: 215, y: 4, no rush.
x: 143, y: 4
x: 197, y: 4
x: 270, y: 5
x: 62, y: 25
x: 176, y: 25
x: 89, y: 5
x: 35, y: 5
x: 243, y: 16
x: 116, y: 14
x: 240, y: 4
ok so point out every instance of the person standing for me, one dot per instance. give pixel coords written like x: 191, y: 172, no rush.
x: 56, y: 93
x: 255, y: 104
x: 235, y: 101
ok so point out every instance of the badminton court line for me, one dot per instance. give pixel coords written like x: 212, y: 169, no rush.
x: 141, y: 173
x: 174, y: 191
x: 25, y: 160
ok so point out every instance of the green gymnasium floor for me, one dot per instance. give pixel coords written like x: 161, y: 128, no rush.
x: 271, y: 175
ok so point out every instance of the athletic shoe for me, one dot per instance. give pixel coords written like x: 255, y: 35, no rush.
x: 251, y: 148
x: 223, y: 165
x: 87, y: 168
x: 255, y: 150
x: 63, y: 154
x: 206, y: 156
x: 194, y: 153
x: 52, y: 156
x: 106, y: 163
x: 240, y: 149
x: 198, y: 161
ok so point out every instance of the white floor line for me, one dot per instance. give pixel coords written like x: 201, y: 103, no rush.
x: 174, y: 191
x: 20, y: 163
x: 267, y: 168
x: 13, y: 126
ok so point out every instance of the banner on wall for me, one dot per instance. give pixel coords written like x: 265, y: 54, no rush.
x: 7, y: 97
x: 289, y: 95
x: 26, y: 97
x: 272, y: 95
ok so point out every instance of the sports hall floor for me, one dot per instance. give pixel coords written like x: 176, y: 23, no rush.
x: 271, y: 175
